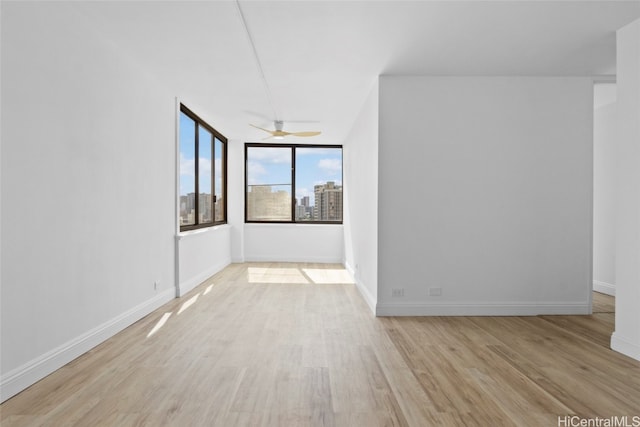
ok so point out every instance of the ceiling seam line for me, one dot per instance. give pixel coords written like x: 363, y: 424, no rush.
x: 259, y: 64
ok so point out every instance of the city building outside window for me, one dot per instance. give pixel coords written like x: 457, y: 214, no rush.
x: 293, y: 183
x: 203, y: 173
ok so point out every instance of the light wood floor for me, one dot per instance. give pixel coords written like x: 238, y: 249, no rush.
x: 285, y: 345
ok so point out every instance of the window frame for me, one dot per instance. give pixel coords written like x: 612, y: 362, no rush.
x: 293, y: 148
x: 215, y: 135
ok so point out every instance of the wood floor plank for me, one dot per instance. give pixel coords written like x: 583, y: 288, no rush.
x: 294, y: 344
x: 595, y: 328
x: 603, y: 303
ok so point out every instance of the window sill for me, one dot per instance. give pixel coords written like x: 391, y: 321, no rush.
x: 290, y: 224
x: 191, y: 233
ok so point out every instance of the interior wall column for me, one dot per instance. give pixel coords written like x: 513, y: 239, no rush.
x: 626, y: 338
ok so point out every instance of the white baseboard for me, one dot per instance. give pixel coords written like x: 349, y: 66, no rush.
x: 604, y: 288
x: 349, y: 268
x: 368, y: 298
x: 191, y: 283
x: 293, y: 258
x: 625, y: 346
x: 480, y: 309
x: 13, y: 382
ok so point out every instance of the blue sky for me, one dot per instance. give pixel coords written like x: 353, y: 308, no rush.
x: 313, y: 166
x: 187, y: 158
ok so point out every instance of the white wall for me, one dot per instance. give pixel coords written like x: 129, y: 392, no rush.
x: 485, y: 191
x: 604, y: 188
x: 201, y: 254
x: 235, y: 188
x: 626, y: 338
x: 88, y: 191
x: 321, y: 243
x: 361, y: 199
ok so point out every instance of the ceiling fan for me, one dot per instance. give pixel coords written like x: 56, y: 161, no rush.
x: 280, y: 134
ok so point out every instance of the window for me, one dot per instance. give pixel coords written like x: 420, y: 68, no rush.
x: 293, y: 183
x: 203, y: 170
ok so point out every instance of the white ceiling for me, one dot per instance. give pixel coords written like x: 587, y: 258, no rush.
x: 320, y: 58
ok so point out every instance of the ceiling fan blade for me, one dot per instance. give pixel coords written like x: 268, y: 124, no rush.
x: 258, y: 127
x: 305, y: 133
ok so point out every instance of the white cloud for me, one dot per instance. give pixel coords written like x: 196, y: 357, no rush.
x: 187, y: 166
x: 205, y: 166
x: 256, y: 170
x: 303, y: 192
x: 187, y: 173
x: 317, y: 151
x: 270, y: 155
x: 331, y: 166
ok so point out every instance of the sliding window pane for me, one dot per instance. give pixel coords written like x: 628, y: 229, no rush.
x: 187, y: 170
x: 319, y: 184
x: 269, y: 184
x: 205, y: 141
x: 218, y: 167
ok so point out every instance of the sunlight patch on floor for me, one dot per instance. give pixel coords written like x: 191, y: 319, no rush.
x: 160, y: 324
x: 275, y: 275
x: 318, y: 276
x: 188, y: 303
x: 323, y: 276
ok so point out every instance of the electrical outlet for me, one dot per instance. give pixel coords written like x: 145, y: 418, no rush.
x: 398, y: 292
x: 435, y: 292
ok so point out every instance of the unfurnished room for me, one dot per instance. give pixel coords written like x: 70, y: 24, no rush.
x: 319, y: 213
